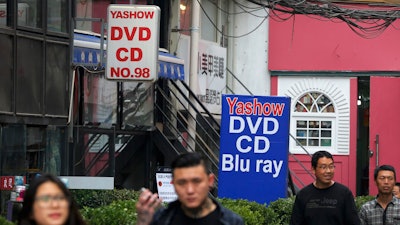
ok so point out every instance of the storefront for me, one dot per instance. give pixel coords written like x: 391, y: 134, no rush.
x: 342, y: 87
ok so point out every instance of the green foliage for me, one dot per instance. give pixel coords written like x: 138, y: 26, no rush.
x: 252, y: 213
x: 121, y: 212
x: 118, y: 207
x: 360, y: 200
x: 4, y: 221
x: 97, y: 198
x: 280, y: 211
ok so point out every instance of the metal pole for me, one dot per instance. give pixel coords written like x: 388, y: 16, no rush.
x: 193, y: 79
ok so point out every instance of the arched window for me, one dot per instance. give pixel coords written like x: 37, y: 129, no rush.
x: 314, y: 102
x: 314, y: 125
x: 320, y: 113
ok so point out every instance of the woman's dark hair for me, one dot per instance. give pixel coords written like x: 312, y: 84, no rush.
x: 25, y: 215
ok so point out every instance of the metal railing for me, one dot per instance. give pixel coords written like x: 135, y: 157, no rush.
x: 292, y: 174
x: 174, y: 114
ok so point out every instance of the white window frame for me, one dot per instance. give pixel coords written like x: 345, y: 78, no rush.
x: 337, y: 89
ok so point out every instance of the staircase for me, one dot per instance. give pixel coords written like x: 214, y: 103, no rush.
x: 181, y: 123
x: 134, y: 152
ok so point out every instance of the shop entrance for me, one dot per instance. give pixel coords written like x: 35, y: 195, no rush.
x: 378, y: 133
x: 363, y: 136
x: 384, y: 124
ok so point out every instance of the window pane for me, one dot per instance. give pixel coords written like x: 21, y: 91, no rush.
x: 329, y: 109
x: 33, y: 11
x: 314, y: 102
x: 29, y: 76
x: 302, y: 141
x: 301, y: 124
x: 326, y: 133
x: 55, y: 156
x: 100, y: 99
x: 57, y: 74
x: 3, y: 13
x: 138, y: 107
x: 326, y: 142
x: 326, y: 124
x: 6, y: 65
x: 300, y: 108
x: 314, y: 124
x: 313, y: 142
x: 56, y: 15
x: 313, y: 133
x: 301, y: 133
x: 13, y: 150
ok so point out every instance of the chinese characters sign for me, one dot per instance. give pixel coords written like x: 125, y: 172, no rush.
x: 211, y: 75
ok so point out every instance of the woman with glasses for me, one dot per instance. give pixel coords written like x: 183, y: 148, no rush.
x: 49, y: 202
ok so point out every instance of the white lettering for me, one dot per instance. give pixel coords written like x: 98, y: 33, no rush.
x: 239, y: 144
x: 230, y: 163
x: 269, y: 166
x: 232, y: 123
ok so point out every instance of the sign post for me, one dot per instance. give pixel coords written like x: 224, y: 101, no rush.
x: 132, y: 42
x: 254, y: 148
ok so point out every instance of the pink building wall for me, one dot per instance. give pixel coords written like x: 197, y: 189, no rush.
x: 306, y: 44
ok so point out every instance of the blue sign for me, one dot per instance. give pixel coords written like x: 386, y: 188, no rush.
x: 253, y: 161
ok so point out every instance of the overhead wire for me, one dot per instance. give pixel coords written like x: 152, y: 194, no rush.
x: 227, y: 35
x: 366, y: 20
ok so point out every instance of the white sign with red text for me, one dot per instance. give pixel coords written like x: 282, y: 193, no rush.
x: 132, y: 42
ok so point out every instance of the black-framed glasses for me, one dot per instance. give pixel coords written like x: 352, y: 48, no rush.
x: 326, y: 167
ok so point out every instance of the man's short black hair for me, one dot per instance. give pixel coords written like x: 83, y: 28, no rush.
x: 320, y: 154
x: 384, y: 167
x: 189, y: 159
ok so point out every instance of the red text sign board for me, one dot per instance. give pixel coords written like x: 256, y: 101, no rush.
x: 7, y: 182
x: 132, y: 42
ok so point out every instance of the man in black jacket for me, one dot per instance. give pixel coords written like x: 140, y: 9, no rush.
x: 192, y: 182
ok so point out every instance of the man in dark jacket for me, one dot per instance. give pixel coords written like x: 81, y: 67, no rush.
x: 192, y: 182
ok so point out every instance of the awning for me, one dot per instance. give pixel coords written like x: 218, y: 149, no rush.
x: 87, y: 53
x: 170, y: 66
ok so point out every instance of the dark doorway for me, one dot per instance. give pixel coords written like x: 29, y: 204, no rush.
x: 363, y: 152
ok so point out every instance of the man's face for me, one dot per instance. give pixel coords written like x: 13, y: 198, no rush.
x: 324, y: 171
x: 396, y: 191
x: 385, y: 182
x: 192, y: 185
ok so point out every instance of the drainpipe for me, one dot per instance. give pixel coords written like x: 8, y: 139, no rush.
x: 193, y: 72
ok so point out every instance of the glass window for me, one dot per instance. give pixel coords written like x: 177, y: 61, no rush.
x: 31, y: 13
x: 3, y: 13
x: 29, y: 77
x: 314, y: 102
x: 100, y: 100
x: 314, y: 116
x: 57, y: 73
x: 6, y: 80
x: 12, y: 147
x: 312, y: 132
x: 54, y: 147
x: 57, y: 19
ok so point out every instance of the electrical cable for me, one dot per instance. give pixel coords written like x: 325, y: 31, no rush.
x: 230, y: 36
x: 366, y: 20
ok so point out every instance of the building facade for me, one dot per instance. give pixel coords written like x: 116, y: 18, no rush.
x: 342, y: 87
